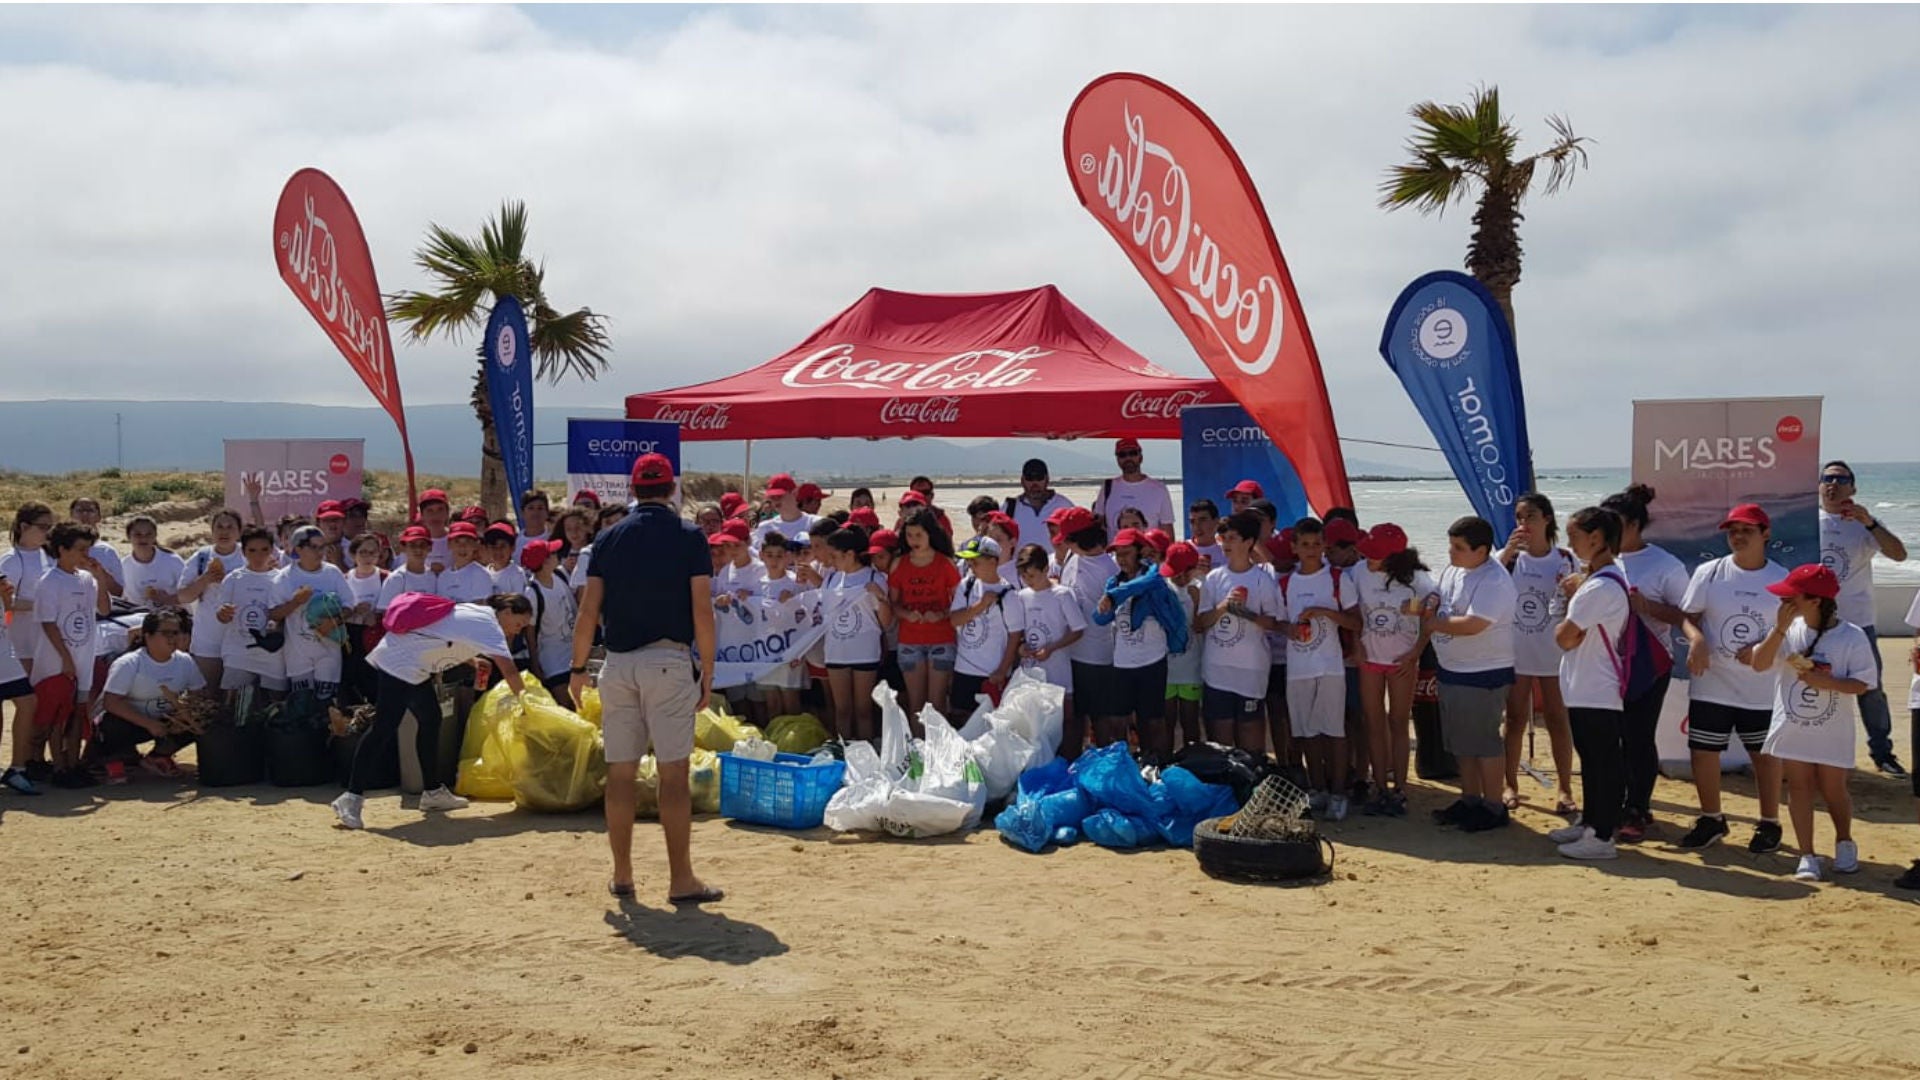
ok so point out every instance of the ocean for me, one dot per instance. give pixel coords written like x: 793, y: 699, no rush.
x: 1426, y: 507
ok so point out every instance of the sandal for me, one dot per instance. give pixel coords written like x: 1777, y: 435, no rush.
x: 1566, y: 806
x: 706, y: 895
x: 1511, y: 799
x: 161, y: 765
x: 624, y: 892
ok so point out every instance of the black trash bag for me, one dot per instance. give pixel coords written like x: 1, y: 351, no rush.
x: 1231, y: 766
x: 231, y: 755
x: 297, y: 741
x: 378, y: 772
x: 1431, y: 761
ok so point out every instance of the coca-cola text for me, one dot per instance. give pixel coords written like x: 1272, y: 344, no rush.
x: 983, y: 368
x: 933, y: 410
x: 696, y: 418
x: 1143, y: 406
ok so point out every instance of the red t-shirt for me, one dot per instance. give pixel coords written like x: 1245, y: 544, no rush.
x: 926, y: 588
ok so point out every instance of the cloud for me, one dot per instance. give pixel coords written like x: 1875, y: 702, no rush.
x: 720, y: 181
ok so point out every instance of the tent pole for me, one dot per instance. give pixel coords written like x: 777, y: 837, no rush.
x: 746, y: 475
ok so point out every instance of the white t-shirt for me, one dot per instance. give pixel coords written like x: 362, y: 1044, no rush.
x: 792, y: 530
x: 163, y: 573
x: 1657, y: 576
x: 366, y: 590
x: 470, y: 630
x: 1214, y: 553
x: 10, y: 669
x: 1913, y: 620
x: 1147, y: 495
x: 469, y: 584
x: 138, y: 677
x: 404, y: 580
x: 24, y: 569
x: 554, y: 612
x: 510, y: 578
x: 438, y: 553
x: 853, y: 616
x: 1847, y: 548
x: 1236, y: 658
x: 1138, y: 648
x: 109, y: 560
x: 1485, y: 592
x: 69, y: 601
x: 580, y: 564
x: 1387, y: 632
x: 1183, y: 668
x: 983, y: 641
x: 251, y: 594
x: 1086, y: 576
x: 1818, y: 725
x: 1315, y: 651
x: 733, y: 580
x: 307, y: 654
x: 1048, y: 616
x: 1590, y: 673
x: 1033, y: 523
x: 1734, y: 610
x: 209, y: 633
x: 1538, y: 607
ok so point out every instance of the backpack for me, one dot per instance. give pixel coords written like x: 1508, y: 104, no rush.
x: 1640, y: 661
x: 411, y: 611
x: 1288, y: 576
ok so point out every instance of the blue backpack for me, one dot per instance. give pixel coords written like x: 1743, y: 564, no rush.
x: 1641, y: 660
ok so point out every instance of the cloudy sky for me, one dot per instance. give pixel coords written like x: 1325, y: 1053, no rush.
x: 721, y: 180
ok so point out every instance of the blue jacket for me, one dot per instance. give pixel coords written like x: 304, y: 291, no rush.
x: 1152, y: 595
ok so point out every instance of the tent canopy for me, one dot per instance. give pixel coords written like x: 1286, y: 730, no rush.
x: 1024, y: 364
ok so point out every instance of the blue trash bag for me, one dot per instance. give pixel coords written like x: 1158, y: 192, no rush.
x: 1032, y: 824
x: 1111, y: 777
x: 1185, y: 802
x: 1113, y: 829
x: 1066, y: 836
x: 1054, y: 776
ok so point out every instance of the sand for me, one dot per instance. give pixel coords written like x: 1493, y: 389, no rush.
x: 154, y: 931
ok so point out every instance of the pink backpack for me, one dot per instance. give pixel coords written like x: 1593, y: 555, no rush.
x: 411, y: 611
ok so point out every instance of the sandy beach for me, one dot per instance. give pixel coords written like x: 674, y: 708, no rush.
x: 158, y: 931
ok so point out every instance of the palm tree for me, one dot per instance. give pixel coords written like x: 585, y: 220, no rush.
x: 1457, y: 150
x: 471, y: 274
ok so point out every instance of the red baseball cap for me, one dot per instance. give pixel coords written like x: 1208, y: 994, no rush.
x: 650, y: 469
x: 719, y: 538
x: 329, y: 511
x: 1342, y: 531
x: 587, y: 495
x: 1001, y: 519
x: 912, y: 498
x: 780, y: 484
x: 809, y: 491
x: 475, y: 514
x: 502, y: 529
x: 536, y: 554
x: 1180, y: 558
x: 736, y: 531
x: 864, y: 517
x: 1748, y: 514
x: 433, y: 495
x: 1280, y: 547
x: 882, y: 540
x: 1809, y: 579
x: 1127, y: 443
x: 415, y: 534
x: 1076, y: 519
x: 731, y: 503
x: 1160, y: 540
x: 1385, y: 539
x: 462, y: 528
x: 354, y: 506
x: 1130, y: 538
x: 1247, y: 487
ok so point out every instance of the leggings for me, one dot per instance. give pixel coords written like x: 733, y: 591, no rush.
x: 1642, y: 756
x: 393, y: 701
x: 1596, y: 737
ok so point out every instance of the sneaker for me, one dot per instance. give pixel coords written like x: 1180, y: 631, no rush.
x: 16, y: 781
x: 1707, y: 831
x: 347, y: 809
x: 1379, y: 807
x: 1453, y: 814
x: 1396, y: 804
x: 1766, y: 837
x: 1889, y: 767
x: 1569, y: 833
x: 40, y: 772
x: 1336, y: 808
x: 1809, y: 869
x: 1846, y: 857
x: 116, y: 772
x: 441, y: 799
x: 1590, y: 847
x: 1485, y: 818
x: 1910, y: 879
x: 1629, y: 831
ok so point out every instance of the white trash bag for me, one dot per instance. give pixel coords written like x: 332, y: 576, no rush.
x: 888, y: 792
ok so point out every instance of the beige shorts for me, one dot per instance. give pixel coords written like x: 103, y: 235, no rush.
x: 648, y: 698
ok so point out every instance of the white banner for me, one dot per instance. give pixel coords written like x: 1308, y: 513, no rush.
x: 758, y: 635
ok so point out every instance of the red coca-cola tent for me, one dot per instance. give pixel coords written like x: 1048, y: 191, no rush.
x: 897, y: 365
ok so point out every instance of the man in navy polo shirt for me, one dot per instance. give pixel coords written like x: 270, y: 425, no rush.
x: 650, y: 582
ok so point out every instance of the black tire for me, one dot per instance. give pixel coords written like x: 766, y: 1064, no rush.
x: 1242, y: 858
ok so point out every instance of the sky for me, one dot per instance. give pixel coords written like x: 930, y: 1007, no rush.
x: 720, y: 181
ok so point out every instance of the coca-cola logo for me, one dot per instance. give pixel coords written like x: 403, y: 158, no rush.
x: 696, y: 418
x: 933, y: 410
x: 985, y: 369
x: 1143, y: 406
x: 1148, y: 192
x: 314, y: 262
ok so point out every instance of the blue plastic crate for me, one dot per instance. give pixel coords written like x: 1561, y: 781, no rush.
x: 789, y: 792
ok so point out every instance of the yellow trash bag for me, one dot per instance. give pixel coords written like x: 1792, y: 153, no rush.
x: 703, y: 778
x: 590, y: 705
x: 485, y: 769
x: 800, y: 733
x: 646, y: 789
x: 559, y: 760
x: 717, y: 730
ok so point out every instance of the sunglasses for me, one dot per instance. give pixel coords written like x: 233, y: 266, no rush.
x: 1125, y: 454
x: 1836, y: 479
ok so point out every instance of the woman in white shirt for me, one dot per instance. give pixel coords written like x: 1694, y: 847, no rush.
x: 152, y: 573
x: 1827, y: 663
x: 200, y: 590
x: 140, y: 689
x: 23, y: 566
x: 1538, y: 567
x: 1592, y: 680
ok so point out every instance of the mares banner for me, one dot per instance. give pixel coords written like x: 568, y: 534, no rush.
x: 1703, y: 457
x: 323, y: 257
x: 1449, y: 342
x: 294, y: 476
x: 756, y: 635
x: 510, y: 392
x: 600, y: 454
x: 1165, y: 183
x: 1220, y: 445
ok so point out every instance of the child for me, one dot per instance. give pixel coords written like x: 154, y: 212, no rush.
x: 249, y: 658
x: 780, y: 686
x: 152, y: 572
x: 921, y: 587
x: 1203, y: 521
x: 1183, y: 568
x: 857, y: 612
x: 550, y: 633
x: 199, y: 589
x: 1472, y: 632
x: 136, y: 698
x: 789, y: 521
x: 365, y: 582
x: 17, y: 688
x: 988, y: 629
x: 735, y: 585
x: 1085, y: 572
x: 1316, y: 607
x: 1826, y: 663
x: 312, y: 659
x: 86, y: 511
x: 1149, y: 621
x: 67, y: 604
x: 1239, y: 602
x: 467, y: 580
x: 413, y: 575
x: 500, y: 540
x: 1394, y: 590
x: 1538, y: 567
x: 1594, y: 684
x: 979, y: 512
x: 23, y: 566
x: 1132, y: 517
x: 1053, y: 620
x: 534, y: 512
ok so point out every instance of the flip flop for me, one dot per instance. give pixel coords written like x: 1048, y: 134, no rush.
x: 706, y: 895
x: 624, y: 892
x: 1511, y: 801
x: 1565, y: 807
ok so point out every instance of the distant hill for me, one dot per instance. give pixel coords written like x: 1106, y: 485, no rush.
x: 64, y: 436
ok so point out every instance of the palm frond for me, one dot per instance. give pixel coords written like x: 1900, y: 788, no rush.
x: 572, y: 344
x: 1566, y: 156
x: 1429, y: 186
x: 423, y: 314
